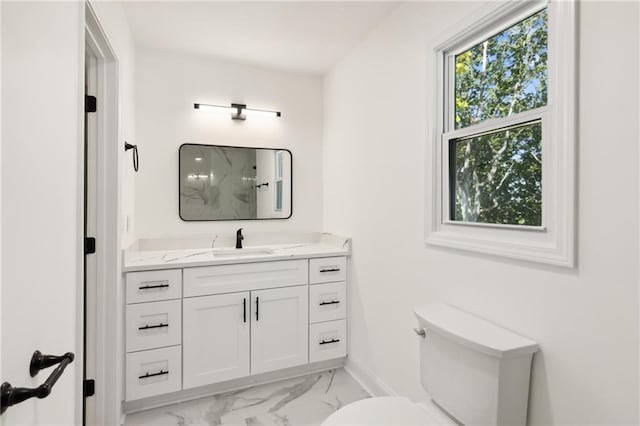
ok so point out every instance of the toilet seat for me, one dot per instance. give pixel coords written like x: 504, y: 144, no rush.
x: 387, y: 411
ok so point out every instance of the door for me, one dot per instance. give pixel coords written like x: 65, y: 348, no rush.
x: 215, y: 340
x: 90, y: 230
x: 279, y: 328
x: 41, y: 165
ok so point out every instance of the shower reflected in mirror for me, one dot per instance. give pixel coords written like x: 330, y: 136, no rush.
x: 220, y: 182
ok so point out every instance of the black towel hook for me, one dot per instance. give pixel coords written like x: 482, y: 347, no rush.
x: 127, y: 147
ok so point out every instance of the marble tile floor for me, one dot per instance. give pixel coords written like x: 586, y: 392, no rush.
x: 301, y: 401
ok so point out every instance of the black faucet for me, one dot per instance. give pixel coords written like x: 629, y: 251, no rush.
x: 239, y: 238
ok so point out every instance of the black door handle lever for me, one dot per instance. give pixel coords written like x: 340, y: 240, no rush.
x: 10, y: 395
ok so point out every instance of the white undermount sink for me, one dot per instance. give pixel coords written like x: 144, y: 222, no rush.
x: 242, y: 252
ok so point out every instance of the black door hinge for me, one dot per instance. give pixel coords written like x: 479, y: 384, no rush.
x: 90, y: 103
x: 89, y: 245
x: 89, y: 387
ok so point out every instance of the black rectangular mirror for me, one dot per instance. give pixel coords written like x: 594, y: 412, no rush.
x: 234, y: 183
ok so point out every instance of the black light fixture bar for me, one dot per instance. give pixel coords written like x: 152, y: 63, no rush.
x: 238, y: 111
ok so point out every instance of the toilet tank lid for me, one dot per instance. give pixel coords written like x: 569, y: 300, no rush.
x: 472, y: 331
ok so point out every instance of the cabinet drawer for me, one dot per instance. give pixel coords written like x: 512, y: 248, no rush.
x: 208, y: 280
x: 153, y: 372
x: 327, y: 269
x: 327, y: 302
x: 327, y: 340
x: 153, y: 325
x: 150, y: 286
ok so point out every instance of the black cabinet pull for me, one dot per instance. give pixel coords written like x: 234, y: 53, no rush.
x: 244, y: 309
x: 257, y: 308
x: 330, y: 270
x: 147, y: 327
x: 333, y: 302
x: 326, y: 342
x: 148, y: 287
x: 11, y: 396
x: 159, y: 373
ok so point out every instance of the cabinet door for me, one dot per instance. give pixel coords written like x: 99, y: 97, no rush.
x: 279, y: 328
x: 215, y: 338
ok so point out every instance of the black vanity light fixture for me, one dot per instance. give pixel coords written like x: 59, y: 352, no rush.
x: 239, y: 111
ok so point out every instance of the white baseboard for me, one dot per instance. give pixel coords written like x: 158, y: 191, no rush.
x: 367, y: 379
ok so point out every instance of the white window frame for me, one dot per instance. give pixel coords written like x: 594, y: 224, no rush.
x: 554, y: 241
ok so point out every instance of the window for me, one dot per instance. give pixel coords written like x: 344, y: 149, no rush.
x: 503, y: 143
x: 279, y: 179
x: 497, y: 177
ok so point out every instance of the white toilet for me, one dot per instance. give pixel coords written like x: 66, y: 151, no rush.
x: 476, y: 373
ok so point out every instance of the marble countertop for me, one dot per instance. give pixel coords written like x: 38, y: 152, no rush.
x: 155, y: 256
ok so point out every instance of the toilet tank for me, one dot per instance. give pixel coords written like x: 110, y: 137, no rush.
x: 475, y: 370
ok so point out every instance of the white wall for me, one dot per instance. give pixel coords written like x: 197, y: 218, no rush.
x: 1, y: 277
x: 42, y: 103
x: 1, y: 370
x: 378, y: 104
x: 168, y: 84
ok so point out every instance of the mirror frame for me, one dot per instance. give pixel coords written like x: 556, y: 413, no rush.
x: 232, y: 146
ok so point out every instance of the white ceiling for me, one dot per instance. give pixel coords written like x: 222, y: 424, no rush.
x: 307, y: 37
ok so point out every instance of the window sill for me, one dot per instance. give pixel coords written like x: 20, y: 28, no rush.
x: 516, y: 244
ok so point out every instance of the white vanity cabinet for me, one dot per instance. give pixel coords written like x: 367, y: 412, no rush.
x: 228, y: 336
x: 231, y: 321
